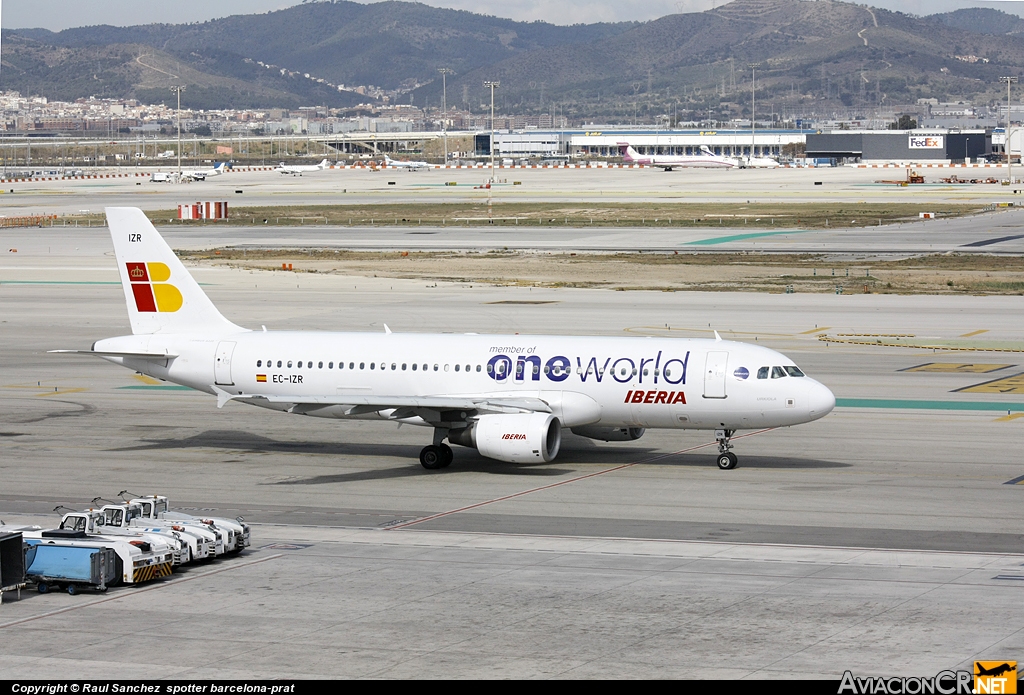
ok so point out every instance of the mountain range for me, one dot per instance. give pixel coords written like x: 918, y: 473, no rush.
x: 812, y: 57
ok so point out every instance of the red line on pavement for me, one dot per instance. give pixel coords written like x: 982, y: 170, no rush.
x: 562, y: 482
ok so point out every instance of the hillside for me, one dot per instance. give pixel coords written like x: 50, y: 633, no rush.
x: 814, y: 56
x: 981, y: 20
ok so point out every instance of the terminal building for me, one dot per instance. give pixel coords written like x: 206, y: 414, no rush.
x: 605, y: 143
x: 920, y: 146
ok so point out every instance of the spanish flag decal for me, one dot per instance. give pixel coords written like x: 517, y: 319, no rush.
x: 261, y: 378
x: 152, y: 291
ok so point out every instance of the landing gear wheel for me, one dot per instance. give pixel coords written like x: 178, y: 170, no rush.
x: 432, y: 458
x: 727, y: 460
x: 447, y: 455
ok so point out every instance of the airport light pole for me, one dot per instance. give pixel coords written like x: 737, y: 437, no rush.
x: 492, y: 84
x: 1009, y: 164
x: 444, y: 109
x: 179, y: 89
x: 753, y: 112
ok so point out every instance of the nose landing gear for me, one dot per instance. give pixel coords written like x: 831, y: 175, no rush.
x: 726, y: 459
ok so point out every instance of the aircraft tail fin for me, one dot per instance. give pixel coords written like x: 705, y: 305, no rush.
x: 706, y: 150
x: 627, y: 152
x: 162, y: 296
x: 324, y: 164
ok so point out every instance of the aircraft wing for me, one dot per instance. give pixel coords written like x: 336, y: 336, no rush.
x: 110, y: 353
x: 370, y: 404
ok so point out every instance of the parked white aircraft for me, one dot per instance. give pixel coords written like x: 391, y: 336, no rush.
x: 299, y: 169
x: 195, y: 175
x: 405, y: 164
x: 706, y: 160
x: 509, y: 396
x: 758, y: 163
x: 203, y: 174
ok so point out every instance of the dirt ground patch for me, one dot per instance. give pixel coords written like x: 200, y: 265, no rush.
x: 653, y: 271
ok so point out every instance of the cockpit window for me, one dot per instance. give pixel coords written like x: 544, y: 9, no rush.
x: 762, y: 373
x: 778, y: 372
x: 793, y: 370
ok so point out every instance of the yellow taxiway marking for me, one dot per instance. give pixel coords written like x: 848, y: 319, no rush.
x: 1008, y: 418
x: 956, y: 368
x: 149, y: 381
x: 60, y: 392
x: 817, y: 330
x: 1009, y: 384
x: 974, y: 333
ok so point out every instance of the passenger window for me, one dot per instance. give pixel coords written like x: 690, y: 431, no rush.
x: 456, y: 367
x: 414, y: 366
x: 259, y: 363
x: 490, y: 369
x: 403, y: 366
x: 373, y: 365
x: 289, y: 364
x: 362, y: 365
x: 645, y: 372
x: 446, y: 367
x: 668, y: 372
x: 536, y: 369
x: 793, y: 370
x: 279, y: 363
x: 478, y: 367
x: 394, y: 366
x: 762, y: 373
x: 320, y: 366
x: 352, y: 365
x: 778, y: 373
x: 435, y: 367
x: 330, y: 365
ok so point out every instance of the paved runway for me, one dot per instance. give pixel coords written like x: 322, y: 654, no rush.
x: 770, y: 565
x: 576, y: 186
x: 998, y: 232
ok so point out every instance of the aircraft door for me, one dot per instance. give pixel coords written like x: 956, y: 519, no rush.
x: 714, y: 374
x: 222, y: 363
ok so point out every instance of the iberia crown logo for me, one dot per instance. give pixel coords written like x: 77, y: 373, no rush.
x: 152, y: 291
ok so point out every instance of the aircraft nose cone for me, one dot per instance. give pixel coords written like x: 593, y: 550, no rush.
x: 821, y: 401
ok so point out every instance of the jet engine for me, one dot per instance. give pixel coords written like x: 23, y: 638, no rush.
x: 517, y: 438
x: 609, y: 434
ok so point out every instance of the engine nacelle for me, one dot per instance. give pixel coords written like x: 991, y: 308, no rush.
x: 609, y: 434
x: 518, y: 438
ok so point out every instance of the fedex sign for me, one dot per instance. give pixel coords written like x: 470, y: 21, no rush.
x: 927, y: 142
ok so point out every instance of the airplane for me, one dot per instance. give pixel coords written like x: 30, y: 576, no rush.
x: 299, y: 169
x: 175, y: 177
x: 758, y: 163
x: 707, y: 159
x: 400, y: 164
x: 508, y: 396
x: 201, y: 175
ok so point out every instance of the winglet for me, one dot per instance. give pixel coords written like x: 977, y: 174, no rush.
x: 387, y: 330
x: 718, y: 338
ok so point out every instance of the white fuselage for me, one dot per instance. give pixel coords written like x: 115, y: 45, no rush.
x: 687, y: 161
x: 635, y: 382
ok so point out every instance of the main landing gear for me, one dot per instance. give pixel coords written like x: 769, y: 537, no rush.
x: 726, y: 459
x: 436, y: 456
